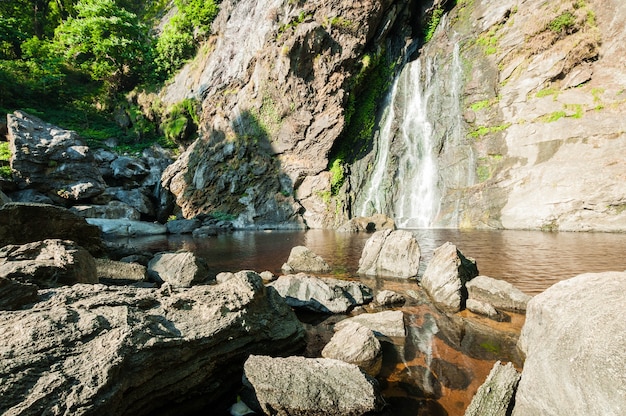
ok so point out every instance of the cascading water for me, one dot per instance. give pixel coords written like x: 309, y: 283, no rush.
x: 411, y: 196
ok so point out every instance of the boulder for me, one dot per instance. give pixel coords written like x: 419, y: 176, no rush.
x: 301, y: 259
x: 48, y: 263
x: 387, y: 324
x: 446, y: 275
x: 14, y: 294
x: 389, y: 297
x: 25, y: 223
x: 371, y: 224
x: 497, y: 293
x: 51, y: 160
x: 115, y: 350
x: 182, y: 226
x: 180, y: 269
x: 267, y: 276
x: 129, y: 168
x: 113, y: 210
x: 573, y: 338
x: 204, y: 232
x: 391, y: 253
x: 356, y: 344
x: 485, y: 309
x: 324, y: 295
x: 310, y: 386
x: 127, y: 228
x: 111, y: 271
x: 494, y: 397
x: 224, y: 276
x: 31, y: 196
x: 138, y: 198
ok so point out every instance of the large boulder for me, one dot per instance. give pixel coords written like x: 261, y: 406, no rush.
x: 391, y: 253
x: 301, y: 259
x: 123, y: 227
x: 574, y: 338
x: 356, y: 344
x: 324, y: 295
x: 495, y: 395
x: 48, y: 263
x: 446, y: 275
x: 497, y: 293
x: 310, y: 387
x: 124, y: 350
x: 181, y: 269
x: 51, y: 159
x: 22, y: 223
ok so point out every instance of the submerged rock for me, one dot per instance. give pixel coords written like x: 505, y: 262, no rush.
x: 391, y: 253
x: 48, y: 263
x: 495, y: 395
x: 310, y: 387
x: 301, y: 259
x: 446, y: 275
x: 324, y: 295
x: 102, y: 350
x: 356, y: 344
x: 389, y: 297
x: 573, y: 338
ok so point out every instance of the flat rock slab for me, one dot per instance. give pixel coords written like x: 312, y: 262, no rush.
x: 127, y: 228
x: 311, y: 387
x: 494, y: 396
x: 497, y: 293
x: 109, y: 350
x: 386, y: 324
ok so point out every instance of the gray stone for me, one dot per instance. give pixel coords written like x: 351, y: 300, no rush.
x: 127, y: 228
x: 310, y: 386
x: 446, y: 276
x: 48, y: 263
x: 224, y: 276
x: 120, y: 272
x: 391, y: 253
x: 301, y: 259
x: 204, y: 232
x: 494, y: 397
x: 115, y: 350
x: 50, y: 159
x: 31, y: 196
x: 573, y: 338
x: 138, y: 198
x: 15, y: 294
x: 26, y: 223
x: 499, y: 293
x: 356, y: 344
x: 387, y: 324
x: 324, y: 295
x: 268, y: 276
x: 482, y: 308
x: 181, y: 269
x: 125, y: 167
x: 113, y: 210
x: 182, y: 226
x: 376, y: 222
x: 389, y: 297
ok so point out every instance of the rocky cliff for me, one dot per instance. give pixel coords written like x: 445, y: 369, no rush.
x: 524, y: 104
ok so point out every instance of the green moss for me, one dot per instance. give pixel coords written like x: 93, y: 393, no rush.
x: 481, y: 131
x: 222, y: 216
x: 546, y: 92
x: 433, y: 22
x: 5, y: 152
x: 325, y: 196
x: 293, y: 23
x: 479, y: 105
x: 562, y: 23
x: 483, y: 173
x: 597, y: 93
x: 552, y: 117
x: 491, y: 347
x: 489, y: 41
x: 337, y: 175
x: 5, y: 172
x: 577, y: 110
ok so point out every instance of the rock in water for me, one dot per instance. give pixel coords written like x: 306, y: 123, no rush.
x: 311, y: 387
x: 356, y: 344
x: 102, y: 350
x: 494, y: 396
x: 51, y: 159
x: 446, y: 275
x: 321, y: 295
x: 301, y: 259
x: 574, y: 338
x: 178, y: 269
x: 497, y: 293
x: 391, y: 253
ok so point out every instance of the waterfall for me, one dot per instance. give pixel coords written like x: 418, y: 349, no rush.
x: 411, y: 196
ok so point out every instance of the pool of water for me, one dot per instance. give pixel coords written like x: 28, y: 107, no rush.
x: 438, y: 367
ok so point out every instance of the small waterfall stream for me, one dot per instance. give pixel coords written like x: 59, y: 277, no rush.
x: 404, y: 182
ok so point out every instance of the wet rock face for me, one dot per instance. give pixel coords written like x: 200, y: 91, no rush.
x: 51, y: 160
x: 573, y: 339
x: 120, y: 350
x: 274, y: 88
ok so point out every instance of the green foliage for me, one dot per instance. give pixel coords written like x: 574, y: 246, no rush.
x: 546, y: 92
x: 489, y: 41
x: 433, y: 22
x: 481, y: 131
x: 337, y: 175
x: 577, y: 110
x: 479, y: 105
x: 563, y: 23
x: 552, y: 117
x: 222, y: 216
x: 180, y: 122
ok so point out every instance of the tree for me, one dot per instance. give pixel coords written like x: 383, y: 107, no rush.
x: 105, y: 40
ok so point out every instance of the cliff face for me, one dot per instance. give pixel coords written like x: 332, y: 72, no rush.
x: 525, y: 102
x: 273, y: 81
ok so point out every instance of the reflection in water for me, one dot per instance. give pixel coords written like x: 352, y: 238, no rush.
x: 444, y: 358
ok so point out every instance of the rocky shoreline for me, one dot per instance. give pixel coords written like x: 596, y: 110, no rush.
x: 164, y: 338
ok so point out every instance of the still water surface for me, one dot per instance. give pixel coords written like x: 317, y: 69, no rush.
x: 437, y: 368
